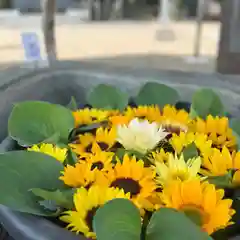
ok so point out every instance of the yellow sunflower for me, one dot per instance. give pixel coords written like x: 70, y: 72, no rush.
x: 113, y: 112
x: 58, y: 153
x: 220, y: 162
x: 177, y: 169
x: 174, y: 120
x: 150, y: 113
x: 178, y: 142
x: 201, y: 202
x: 218, y: 131
x: 84, y: 144
x: 80, y: 175
x: 203, y: 144
x: 99, y: 160
x: 88, y: 116
x: 131, y: 176
x: 119, y: 120
x: 104, y: 138
x: 86, y: 203
x: 159, y: 156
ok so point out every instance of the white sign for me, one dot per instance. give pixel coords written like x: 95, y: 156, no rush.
x: 32, y: 49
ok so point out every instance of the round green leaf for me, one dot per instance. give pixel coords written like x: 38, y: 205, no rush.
x: 108, y: 97
x: 156, y: 93
x: 21, y: 171
x: 34, y: 122
x: 118, y: 219
x: 206, y: 102
x: 168, y: 224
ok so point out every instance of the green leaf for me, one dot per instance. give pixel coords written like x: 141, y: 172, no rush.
x: 23, y: 170
x: 49, y: 205
x: 156, y: 93
x: 190, y: 151
x: 120, y: 152
x: 71, y: 158
x: 235, y: 125
x: 72, y: 105
x: 118, y: 219
x: 62, y: 198
x: 168, y: 224
x: 224, y: 181
x: 206, y: 101
x: 91, y: 127
x: 34, y: 122
x: 53, y: 139
x: 108, y: 97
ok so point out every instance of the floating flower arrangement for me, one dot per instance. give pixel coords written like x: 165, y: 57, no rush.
x: 118, y: 169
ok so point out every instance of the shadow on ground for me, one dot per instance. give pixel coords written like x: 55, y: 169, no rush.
x: 205, y: 64
x: 145, y: 61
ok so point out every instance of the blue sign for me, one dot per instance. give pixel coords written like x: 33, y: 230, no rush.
x: 31, y: 46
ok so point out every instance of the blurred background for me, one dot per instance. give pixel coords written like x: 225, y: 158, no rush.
x: 136, y: 33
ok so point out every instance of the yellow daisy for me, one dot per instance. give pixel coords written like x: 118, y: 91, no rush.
x: 58, y: 153
x: 104, y: 138
x: 86, y: 203
x: 88, y: 116
x: 80, y: 175
x: 150, y: 113
x: 179, y: 142
x: 220, y: 162
x: 218, y: 131
x: 177, y: 168
x: 174, y: 120
x: 201, y: 202
x: 131, y: 176
x: 99, y: 160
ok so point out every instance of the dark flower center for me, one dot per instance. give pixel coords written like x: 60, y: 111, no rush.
x: 99, y: 165
x: 89, y: 148
x: 172, y: 129
x: 128, y: 185
x: 142, y: 117
x: 89, y: 217
x: 115, y: 146
x: 159, y: 189
x: 104, y: 146
x: 88, y: 185
x: 165, y: 145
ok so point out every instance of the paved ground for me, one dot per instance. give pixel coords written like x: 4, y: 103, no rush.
x: 121, y: 43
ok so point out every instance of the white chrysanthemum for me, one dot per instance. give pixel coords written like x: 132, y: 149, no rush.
x: 140, y: 135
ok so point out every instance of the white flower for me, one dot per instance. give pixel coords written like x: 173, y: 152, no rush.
x: 140, y: 135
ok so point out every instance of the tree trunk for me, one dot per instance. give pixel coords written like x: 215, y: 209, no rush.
x: 91, y: 10
x: 48, y: 25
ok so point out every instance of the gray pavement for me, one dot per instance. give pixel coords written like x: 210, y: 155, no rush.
x: 31, y: 21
